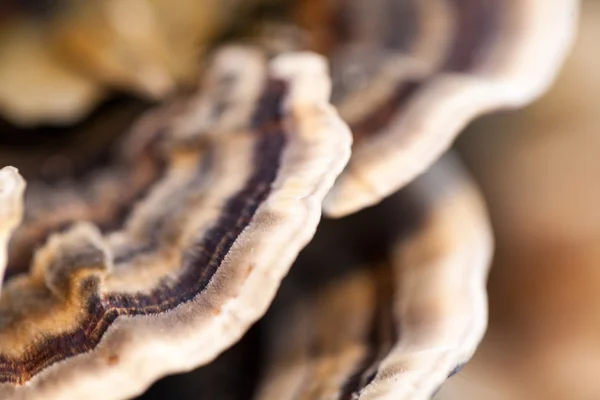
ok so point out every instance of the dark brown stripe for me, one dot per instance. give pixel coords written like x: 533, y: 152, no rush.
x: 199, y: 262
x: 477, y: 25
x: 401, y: 21
x: 478, y: 22
x: 398, y: 23
x: 382, y: 117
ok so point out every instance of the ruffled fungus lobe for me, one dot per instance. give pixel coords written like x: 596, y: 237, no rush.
x: 199, y: 256
x: 11, y: 210
x: 399, y: 328
x: 409, y: 75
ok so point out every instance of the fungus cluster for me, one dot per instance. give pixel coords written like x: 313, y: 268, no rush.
x: 160, y: 259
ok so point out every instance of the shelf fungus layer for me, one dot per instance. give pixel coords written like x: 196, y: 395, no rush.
x: 410, y: 74
x: 11, y: 210
x: 243, y: 167
x: 394, y: 326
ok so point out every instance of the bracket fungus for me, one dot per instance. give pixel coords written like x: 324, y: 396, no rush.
x: 161, y: 257
x: 198, y: 258
x: 397, y: 326
x: 407, y: 92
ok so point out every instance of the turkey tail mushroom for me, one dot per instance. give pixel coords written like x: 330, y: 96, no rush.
x: 409, y: 75
x: 199, y: 257
x: 394, y: 327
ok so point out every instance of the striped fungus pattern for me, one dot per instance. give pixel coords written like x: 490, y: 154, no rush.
x: 162, y: 259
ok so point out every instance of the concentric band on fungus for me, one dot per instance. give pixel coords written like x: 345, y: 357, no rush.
x: 105, y: 197
x: 406, y: 97
x: 398, y: 327
x: 199, y: 258
x: 189, y: 233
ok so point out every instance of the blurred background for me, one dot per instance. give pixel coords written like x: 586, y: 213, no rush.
x: 539, y: 169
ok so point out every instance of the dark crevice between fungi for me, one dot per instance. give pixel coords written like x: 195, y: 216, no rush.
x: 234, y: 375
x: 82, y: 147
x: 342, y: 246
